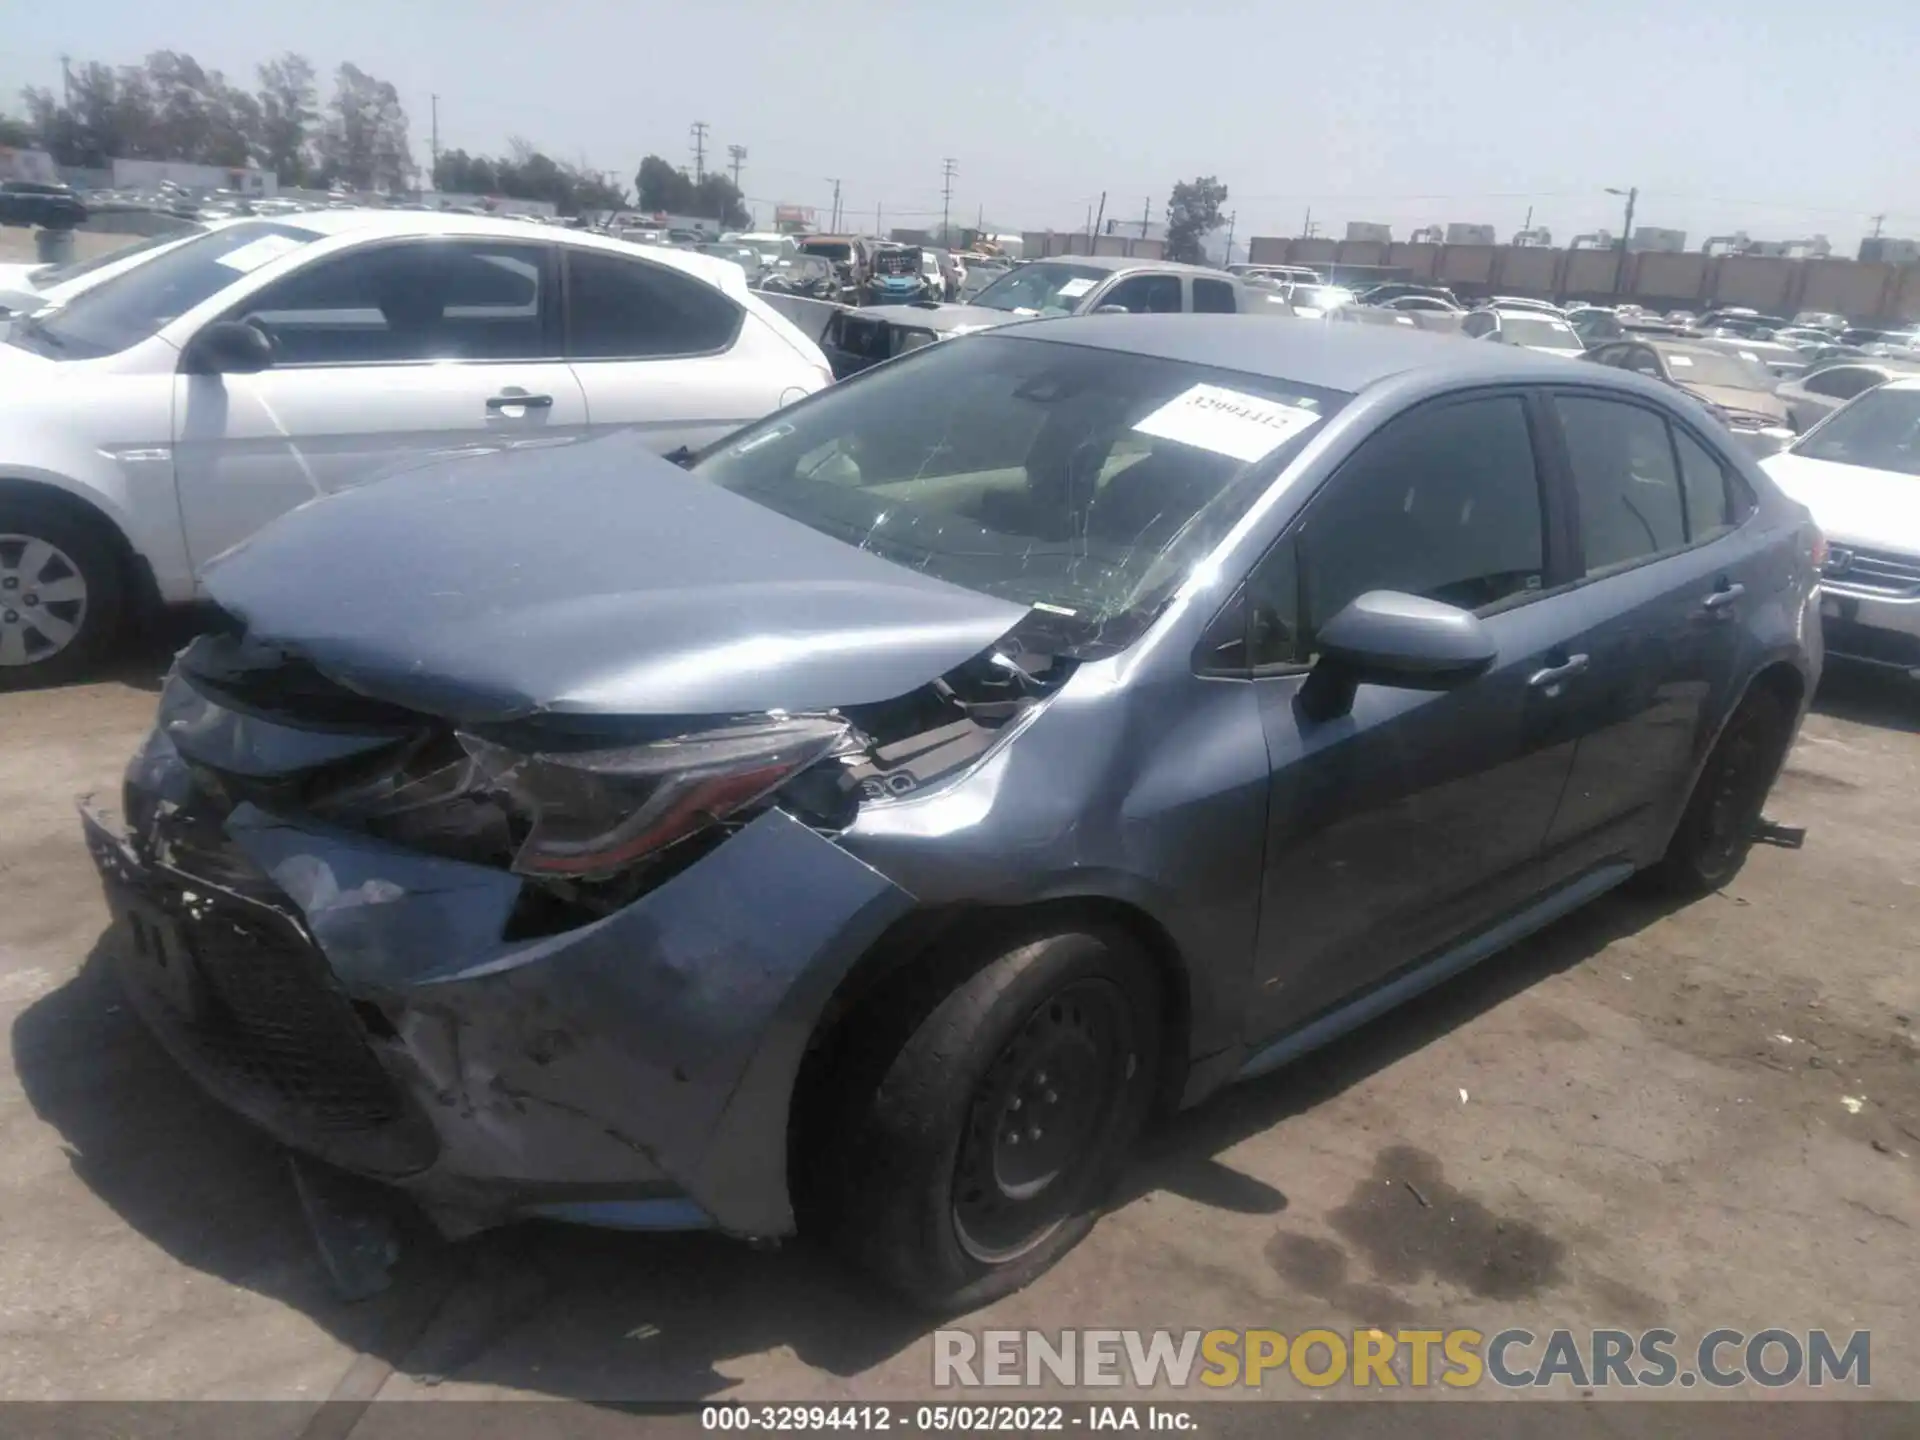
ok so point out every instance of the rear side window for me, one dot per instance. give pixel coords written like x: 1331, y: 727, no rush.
x: 1444, y: 503
x: 1213, y: 297
x: 1626, y: 481
x: 627, y: 309
x: 1716, y: 502
x: 1843, y: 382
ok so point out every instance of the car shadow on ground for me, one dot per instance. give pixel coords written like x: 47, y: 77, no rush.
x: 1869, y: 695
x: 594, y: 1315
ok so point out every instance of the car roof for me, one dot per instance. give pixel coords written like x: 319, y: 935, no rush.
x: 1335, y: 356
x: 1118, y: 263
x: 1524, y: 312
x: 374, y: 224
x: 1907, y: 382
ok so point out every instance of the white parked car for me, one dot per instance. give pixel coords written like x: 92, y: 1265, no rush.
x: 1528, y: 328
x: 1858, y: 471
x: 160, y: 416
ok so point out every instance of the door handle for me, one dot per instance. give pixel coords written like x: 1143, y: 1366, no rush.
x: 1549, y: 679
x: 1723, y: 597
x: 526, y: 402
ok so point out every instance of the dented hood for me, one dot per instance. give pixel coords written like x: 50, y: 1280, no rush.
x: 592, y: 578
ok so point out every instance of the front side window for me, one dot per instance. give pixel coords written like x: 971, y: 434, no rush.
x: 1146, y: 295
x: 1443, y: 502
x: 1082, y: 480
x: 409, y: 302
x: 119, y: 313
x: 627, y: 309
x: 1625, y: 481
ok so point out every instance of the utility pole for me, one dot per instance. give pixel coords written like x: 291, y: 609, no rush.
x: 1100, y: 215
x: 833, y: 221
x: 1306, y: 226
x: 949, y: 167
x: 1878, y: 220
x: 66, y: 83
x: 736, y: 157
x: 877, y: 231
x: 699, y: 133
x: 1231, y: 219
x: 433, y: 144
x: 1632, y: 193
x: 1146, y: 216
x: 1527, y: 224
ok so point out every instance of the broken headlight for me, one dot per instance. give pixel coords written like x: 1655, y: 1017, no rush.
x: 580, y: 814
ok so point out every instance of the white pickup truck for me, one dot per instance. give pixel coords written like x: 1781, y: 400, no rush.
x: 1060, y: 285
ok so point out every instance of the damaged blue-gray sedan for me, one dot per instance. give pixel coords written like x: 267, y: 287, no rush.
x: 863, y: 830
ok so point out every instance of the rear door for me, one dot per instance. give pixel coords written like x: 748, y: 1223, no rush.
x: 1418, y: 818
x: 1664, y: 581
x: 385, y: 354
x: 662, y: 353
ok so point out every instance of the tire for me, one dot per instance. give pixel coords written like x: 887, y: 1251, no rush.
x: 1715, y: 832
x: 47, y: 550
x: 923, y: 1190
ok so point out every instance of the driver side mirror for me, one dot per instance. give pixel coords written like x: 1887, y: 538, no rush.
x: 229, y: 347
x: 1111, y: 310
x: 1386, y: 638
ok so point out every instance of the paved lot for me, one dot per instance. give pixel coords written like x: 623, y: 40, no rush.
x: 1635, y: 1119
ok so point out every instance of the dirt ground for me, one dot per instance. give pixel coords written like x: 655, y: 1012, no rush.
x: 1697, y: 1117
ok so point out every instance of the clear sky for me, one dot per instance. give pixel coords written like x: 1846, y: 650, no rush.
x: 1778, y: 117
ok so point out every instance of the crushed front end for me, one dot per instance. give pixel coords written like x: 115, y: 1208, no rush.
x: 557, y: 967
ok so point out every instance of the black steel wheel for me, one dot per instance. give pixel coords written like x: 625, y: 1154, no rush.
x: 985, y: 1104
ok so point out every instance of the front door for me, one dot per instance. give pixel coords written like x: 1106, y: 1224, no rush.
x: 384, y: 355
x: 1418, y: 817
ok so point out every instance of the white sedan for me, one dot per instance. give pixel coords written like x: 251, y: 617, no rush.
x: 162, y: 415
x: 1858, y: 471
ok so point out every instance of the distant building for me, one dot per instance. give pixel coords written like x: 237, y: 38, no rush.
x: 35, y: 165
x: 1135, y: 229
x: 1470, y: 235
x: 248, y: 180
x: 1538, y: 236
x: 1367, y: 230
x: 1651, y: 237
x: 1888, y: 251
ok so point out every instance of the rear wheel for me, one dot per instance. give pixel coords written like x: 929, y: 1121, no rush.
x: 993, y: 1116
x: 1715, y: 833
x: 61, y: 593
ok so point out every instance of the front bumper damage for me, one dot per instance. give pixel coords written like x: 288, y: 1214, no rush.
x: 359, y: 1001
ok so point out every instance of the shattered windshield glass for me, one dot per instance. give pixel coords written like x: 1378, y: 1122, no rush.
x: 1084, y: 482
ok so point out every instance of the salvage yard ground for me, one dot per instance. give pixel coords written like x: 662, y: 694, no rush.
x: 1639, y: 1118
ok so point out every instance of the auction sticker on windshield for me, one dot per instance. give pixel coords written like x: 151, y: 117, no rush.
x: 1079, y: 285
x: 1227, y: 422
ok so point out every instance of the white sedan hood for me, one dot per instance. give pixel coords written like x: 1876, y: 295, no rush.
x: 1873, y: 509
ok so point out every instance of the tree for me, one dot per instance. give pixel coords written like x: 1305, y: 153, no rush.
x: 364, y: 142
x: 1193, y: 213
x: 287, y: 115
x: 663, y: 188
x: 527, y: 174
x: 17, y: 134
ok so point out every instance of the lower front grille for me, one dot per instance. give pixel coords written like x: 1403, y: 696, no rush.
x: 1852, y: 640
x: 243, y: 1000
x: 1872, y: 572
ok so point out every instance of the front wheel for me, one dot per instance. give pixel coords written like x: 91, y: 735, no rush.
x: 1003, y: 1111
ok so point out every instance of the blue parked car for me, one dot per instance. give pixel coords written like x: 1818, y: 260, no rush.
x: 866, y: 830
